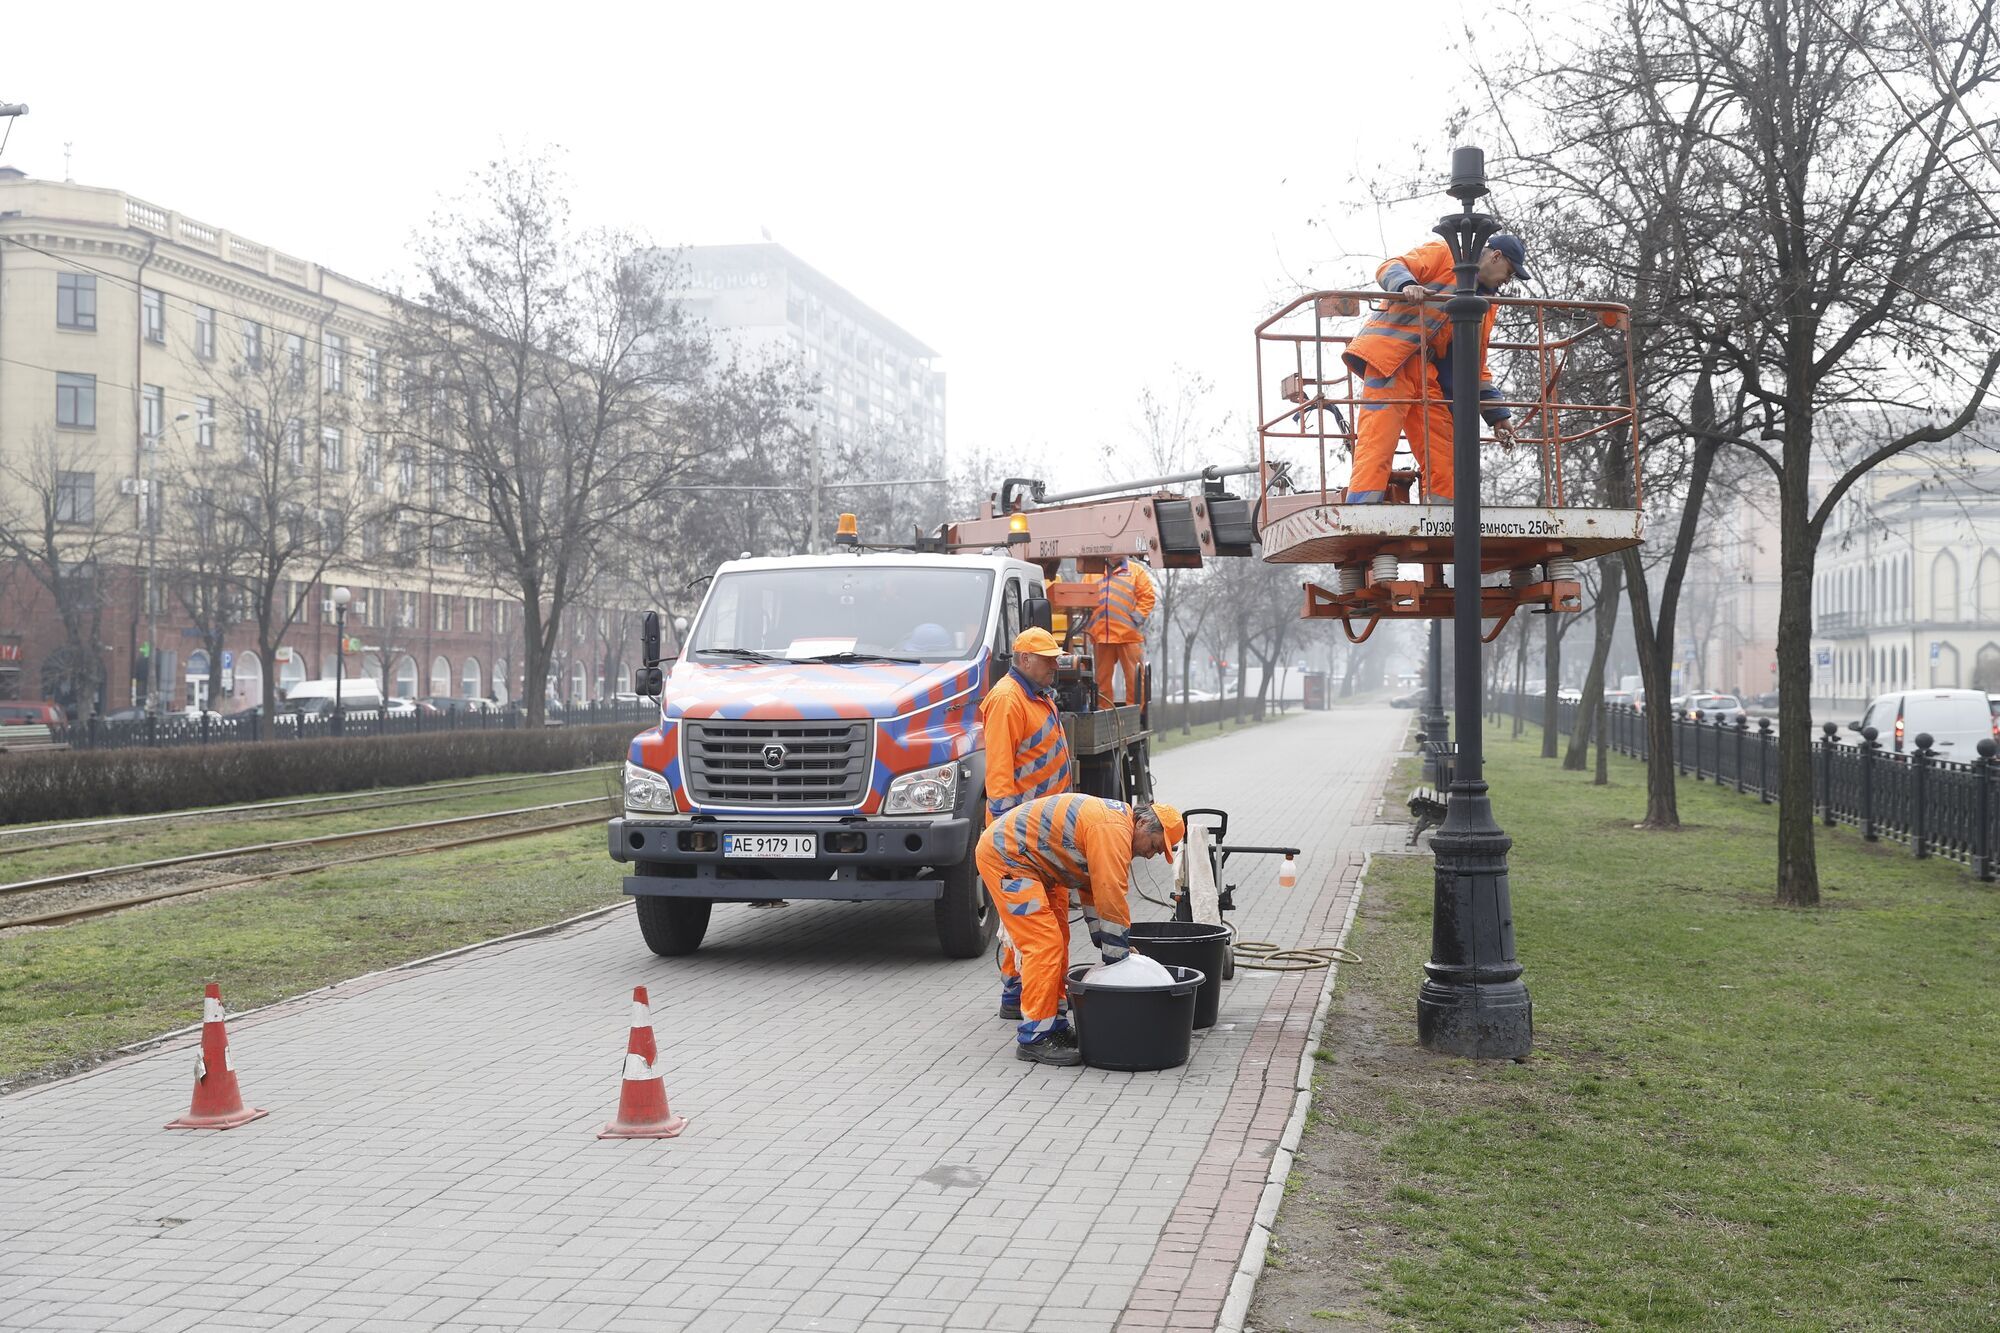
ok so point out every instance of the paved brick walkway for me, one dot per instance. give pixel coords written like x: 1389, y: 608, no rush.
x: 865, y: 1152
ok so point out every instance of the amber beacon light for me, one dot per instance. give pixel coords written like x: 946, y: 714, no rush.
x: 849, y: 531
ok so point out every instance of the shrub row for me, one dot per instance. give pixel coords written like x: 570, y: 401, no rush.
x: 81, y: 784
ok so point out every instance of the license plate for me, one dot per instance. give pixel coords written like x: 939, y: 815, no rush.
x: 771, y: 846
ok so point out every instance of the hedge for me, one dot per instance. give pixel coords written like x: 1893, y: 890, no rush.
x: 51, y: 785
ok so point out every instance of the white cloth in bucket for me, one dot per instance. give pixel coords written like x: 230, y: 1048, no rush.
x: 1135, y: 969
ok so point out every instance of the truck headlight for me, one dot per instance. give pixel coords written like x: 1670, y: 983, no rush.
x: 928, y: 791
x: 646, y: 790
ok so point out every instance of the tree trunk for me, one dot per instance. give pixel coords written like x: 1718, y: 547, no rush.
x: 1520, y: 674
x: 1798, y: 861
x: 536, y: 651
x: 1242, y: 670
x: 1187, y: 665
x: 1610, y: 591
x: 1551, y: 672
x: 1655, y: 675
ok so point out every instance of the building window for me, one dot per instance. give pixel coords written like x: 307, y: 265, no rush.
x: 440, y: 612
x: 253, y: 433
x: 76, y: 400
x: 76, y: 301
x: 253, y: 344
x: 204, y: 332
x: 333, y: 529
x: 153, y: 315
x: 406, y: 469
x: 76, y: 497
x: 295, y: 360
x: 472, y: 605
x: 295, y: 442
x: 499, y: 617
x: 204, y: 422
x: 371, y: 539
x: 152, y: 413
x: 371, y: 374
x: 371, y: 459
x: 332, y: 450
x: 333, y: 364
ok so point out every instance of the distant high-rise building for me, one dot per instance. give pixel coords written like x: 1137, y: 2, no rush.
x: 878, y: 383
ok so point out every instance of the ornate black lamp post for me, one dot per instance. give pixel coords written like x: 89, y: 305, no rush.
x: 1472, y: 1001
x: 341, y: 597
x: 1436, y: 726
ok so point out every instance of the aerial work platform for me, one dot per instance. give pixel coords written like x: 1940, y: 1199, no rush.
x: 1574, y: 440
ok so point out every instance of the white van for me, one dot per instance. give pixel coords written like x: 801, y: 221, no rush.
x: 1957, y: 721
x: 359, y: 696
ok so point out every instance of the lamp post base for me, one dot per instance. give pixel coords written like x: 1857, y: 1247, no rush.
x: 1478, y: 1022
x: 1472, y: 1001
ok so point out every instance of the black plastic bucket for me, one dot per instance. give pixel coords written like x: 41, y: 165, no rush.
x: 1194, y: 944
x: 1134, y: 1027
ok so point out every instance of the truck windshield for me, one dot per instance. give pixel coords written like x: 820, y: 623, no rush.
x: 929, y: 614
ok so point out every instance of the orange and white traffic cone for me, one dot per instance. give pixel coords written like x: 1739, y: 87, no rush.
x: 642, y: 1099
x: 218, y: 1102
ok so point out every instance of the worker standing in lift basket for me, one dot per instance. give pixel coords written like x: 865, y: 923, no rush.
x: 1027, y: 757
x: 1408, y: 393
x: 1125, y: 600
x: 1031, y: 860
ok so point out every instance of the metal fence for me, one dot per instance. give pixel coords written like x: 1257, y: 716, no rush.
x: 1938, y: 807
x: 174, y: 730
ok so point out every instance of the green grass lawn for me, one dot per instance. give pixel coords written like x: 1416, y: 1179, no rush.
x: 74, y: 992
x: 1736, y: 1116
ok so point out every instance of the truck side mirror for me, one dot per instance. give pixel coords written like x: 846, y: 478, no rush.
x: 1038, y: 613
x: 647, y: 679
x: 1854, y: 726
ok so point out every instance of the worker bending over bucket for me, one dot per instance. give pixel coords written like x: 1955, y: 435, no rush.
x: 1030, y: 860
x: 1125, y: 600
x: 1027, y: 757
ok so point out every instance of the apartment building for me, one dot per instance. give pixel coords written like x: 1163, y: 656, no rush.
x: 144, y: 354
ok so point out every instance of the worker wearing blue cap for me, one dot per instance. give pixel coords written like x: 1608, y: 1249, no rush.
x: 1407, y: 394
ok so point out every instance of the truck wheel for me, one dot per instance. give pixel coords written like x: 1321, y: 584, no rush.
x: 966, y: 921
x: 673, y: 926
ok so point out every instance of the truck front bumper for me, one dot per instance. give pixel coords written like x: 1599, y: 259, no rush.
x: 684, y: 858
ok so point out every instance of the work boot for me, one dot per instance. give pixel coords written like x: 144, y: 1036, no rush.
x: 1058, y: 1048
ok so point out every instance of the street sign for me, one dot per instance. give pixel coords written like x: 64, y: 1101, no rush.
x: 228, y: 659
x: 228, y: 680
x: 1825, y: 657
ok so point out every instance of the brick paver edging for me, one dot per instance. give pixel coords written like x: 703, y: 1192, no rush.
x: 1212, y: 1248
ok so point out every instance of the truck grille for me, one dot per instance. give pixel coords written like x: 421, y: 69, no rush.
x: 824, y: 763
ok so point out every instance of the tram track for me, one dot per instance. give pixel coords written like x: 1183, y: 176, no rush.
x: 54, y: 900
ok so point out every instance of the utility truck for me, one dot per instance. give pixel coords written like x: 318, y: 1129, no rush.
x: 819, y: 733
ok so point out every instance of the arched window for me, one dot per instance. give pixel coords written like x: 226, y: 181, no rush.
x: 440, y: 678
x: 1986, y: 590
x: 291, y: 671
x: 624, y: 679
x: 406, y: 677
x: 248, y: 689
x: 470, y: 683
x: 579, y: 684
x: 1944, y: 668
x: 1944, y: 589
x: 1986, y: 668
x: 500, y: 691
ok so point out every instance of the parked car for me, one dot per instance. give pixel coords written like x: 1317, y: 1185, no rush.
x: 1569, y: 694
x: 1766, y: 700
x: 1415, y: 699
x: 397, y: 706
x: 1956, y: 720
x: 1710, y: 706
x: 124, y: 715
x: 26, y: 725
x: 358, y: 696
x: 1620, y: 699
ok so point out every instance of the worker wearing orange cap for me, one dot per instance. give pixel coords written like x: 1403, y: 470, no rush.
x: 1405, y: 361
x: 1030, y: 860
x: 1125, y: 600
x: 1027, y: 757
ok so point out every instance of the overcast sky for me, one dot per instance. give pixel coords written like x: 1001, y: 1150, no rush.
x: 1066, y: 201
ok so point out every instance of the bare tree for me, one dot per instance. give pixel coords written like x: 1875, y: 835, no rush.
x: 205, y: 544
x: 57, y: 530
x: 557, y: 387
x: 1175, y: 429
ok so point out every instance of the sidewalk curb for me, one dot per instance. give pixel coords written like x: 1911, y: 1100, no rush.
x: 1242, y: 1286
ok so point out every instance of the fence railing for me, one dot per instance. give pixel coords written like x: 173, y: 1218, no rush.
x: 1938, y: 807
x: 174, y: 730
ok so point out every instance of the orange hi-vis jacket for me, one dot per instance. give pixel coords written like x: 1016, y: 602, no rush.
x: 1394, y: 333
x: 1082, y: 842
x: 1125, y: 600
x: 1027, y: 752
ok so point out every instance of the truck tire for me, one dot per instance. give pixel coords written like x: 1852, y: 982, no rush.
x: 673, y: 926
x: 966, y: 919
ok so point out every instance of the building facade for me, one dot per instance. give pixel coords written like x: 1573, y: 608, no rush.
x: 880, y: 388
x: 1906, y: 593
x: 143, y: 354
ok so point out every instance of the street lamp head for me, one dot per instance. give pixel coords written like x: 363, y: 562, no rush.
x: 182, y: 416
x: 341, y: 597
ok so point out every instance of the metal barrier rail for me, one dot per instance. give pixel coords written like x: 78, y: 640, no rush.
x: 1938, y: 807
x: 168, y: 730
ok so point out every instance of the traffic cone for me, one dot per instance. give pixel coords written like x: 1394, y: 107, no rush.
x: 642, y: 1098
x: 218, y: 1102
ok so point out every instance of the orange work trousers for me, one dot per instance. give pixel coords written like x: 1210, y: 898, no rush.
x: 1125, y: 658
x: 1380, y: 421
x: 1036, y: 919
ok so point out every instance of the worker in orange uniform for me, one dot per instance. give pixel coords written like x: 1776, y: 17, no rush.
x: 1125, y: 600
x: 1027, y: 757
x: 1030, y: 860
x: 1403, y: 355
